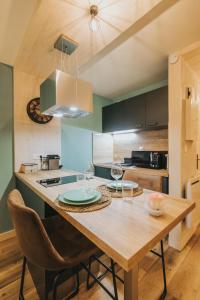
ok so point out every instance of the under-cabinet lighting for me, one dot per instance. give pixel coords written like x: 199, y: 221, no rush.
x: 58, y: 115
x: 124, y: 131
x: 73, y: 108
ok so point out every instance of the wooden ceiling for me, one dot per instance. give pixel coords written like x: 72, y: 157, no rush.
x: 71, y: 18
x: 142, y: 60
x: 193, y: 58
x: 119, y: 58
x: 14, y: 19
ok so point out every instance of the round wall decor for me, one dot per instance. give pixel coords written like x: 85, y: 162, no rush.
x: 33, y: 111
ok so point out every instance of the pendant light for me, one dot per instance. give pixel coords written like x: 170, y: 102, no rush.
x: 94, y: 23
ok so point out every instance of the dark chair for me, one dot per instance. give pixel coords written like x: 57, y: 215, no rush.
x: 62, y: 248
x: 55, y: 245
x: 150, y: 182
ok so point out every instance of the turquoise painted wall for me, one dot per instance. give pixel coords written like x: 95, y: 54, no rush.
x: 143, y: 90
x: 76, y: 147
x: 7, y: 181
x: 94, y: 121
x: 76, y: 137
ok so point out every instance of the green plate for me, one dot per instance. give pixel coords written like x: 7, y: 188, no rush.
x: 62, y: 199
x: 80, y: 195
x: 122, y: 184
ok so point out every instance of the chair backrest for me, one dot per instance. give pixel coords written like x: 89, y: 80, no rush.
x: 31, y: 234
x: 150, y: 182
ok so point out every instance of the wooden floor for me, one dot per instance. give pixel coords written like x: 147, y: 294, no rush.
x: 183, y: 275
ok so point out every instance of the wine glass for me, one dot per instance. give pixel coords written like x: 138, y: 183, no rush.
x: 116, y: 173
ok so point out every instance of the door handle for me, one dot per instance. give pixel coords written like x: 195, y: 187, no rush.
x: 139, y: 125
x: 198, y: 159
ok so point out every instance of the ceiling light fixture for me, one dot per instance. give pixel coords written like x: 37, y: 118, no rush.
x: 93, y: 24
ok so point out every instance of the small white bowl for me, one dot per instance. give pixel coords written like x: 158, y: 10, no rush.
x: 154, y: 212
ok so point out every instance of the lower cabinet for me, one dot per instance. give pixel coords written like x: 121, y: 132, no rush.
x: 102, y: 172
x: 165, y: 185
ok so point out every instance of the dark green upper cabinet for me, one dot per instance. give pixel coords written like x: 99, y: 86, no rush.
x: 157, y: 108
x: 113, y: 117
x: 124, y: 115
x: 149, y: 110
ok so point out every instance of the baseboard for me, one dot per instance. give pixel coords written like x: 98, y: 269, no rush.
x: 7, y: 235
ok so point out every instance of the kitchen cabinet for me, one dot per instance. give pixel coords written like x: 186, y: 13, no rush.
x: 113, y: 116
x: 124, y: 115
x: 102, y: 172
x: 149, y: 110
x: 157, y: 108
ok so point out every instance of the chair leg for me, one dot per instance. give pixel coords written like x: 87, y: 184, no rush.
x: 164, y: 293
x: 56, y: 280
x: 114, y: 279
x: 21, y: 294
x: 88, y: 275
x: 96, y: 279
x: 75, y: 292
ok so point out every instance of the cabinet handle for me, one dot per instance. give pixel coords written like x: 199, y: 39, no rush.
x: 151, y: 124
x: 138, y: 125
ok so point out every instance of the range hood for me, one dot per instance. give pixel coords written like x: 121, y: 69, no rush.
x: 63, y: 95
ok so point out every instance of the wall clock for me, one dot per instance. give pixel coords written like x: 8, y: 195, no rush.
x: 33, y: 111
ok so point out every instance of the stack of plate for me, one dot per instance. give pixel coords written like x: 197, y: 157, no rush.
x: 82, y: 196
x: 120, y: 184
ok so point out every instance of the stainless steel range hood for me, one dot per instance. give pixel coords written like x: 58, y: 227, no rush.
x: 63, y: 95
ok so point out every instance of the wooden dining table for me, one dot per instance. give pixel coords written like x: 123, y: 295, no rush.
x: 124, y: 230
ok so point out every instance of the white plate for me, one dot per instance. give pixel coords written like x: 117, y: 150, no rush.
x: 80, y: 195
x: 122, y: 183
x: 63, y: 200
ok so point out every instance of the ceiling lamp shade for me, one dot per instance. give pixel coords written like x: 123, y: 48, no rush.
x: 62, y: 95
x: 93, y: 24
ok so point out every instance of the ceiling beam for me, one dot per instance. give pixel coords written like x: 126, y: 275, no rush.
x: 141, y: 23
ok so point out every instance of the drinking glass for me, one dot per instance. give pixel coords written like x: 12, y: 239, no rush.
x: 127, y: 191
x: 80, y: 177
x: 116, y: 173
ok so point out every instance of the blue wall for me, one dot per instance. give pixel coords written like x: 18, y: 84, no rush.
x: 6, y: 143
x: 76, y: 138
x: 76, y: 148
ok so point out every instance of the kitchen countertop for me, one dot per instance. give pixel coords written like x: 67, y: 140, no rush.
x: 155, y: 172
x: 125, y: 216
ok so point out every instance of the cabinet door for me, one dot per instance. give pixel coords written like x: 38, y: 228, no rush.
x: 157, y: 108
x: 113, y: 117
x: 124, y: 115
x: 134, y: 113
x: 102, y: 172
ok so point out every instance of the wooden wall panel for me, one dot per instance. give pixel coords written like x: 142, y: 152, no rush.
x: 124, y: 144
x: 102, y: 148
x: 31, y: 138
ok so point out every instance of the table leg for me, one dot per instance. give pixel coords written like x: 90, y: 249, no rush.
x: 131, y: 284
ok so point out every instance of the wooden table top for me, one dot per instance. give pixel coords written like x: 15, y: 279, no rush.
x: 124, y: 230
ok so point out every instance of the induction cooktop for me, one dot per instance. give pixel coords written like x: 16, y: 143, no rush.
x: 49, y: 182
